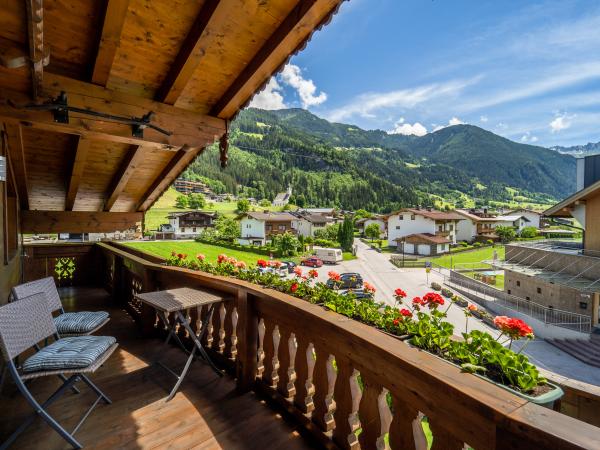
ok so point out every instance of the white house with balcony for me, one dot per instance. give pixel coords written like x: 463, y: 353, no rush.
x: 256, y: 228
x: 422, y: 231
x: 362, y: 224
x: 307, y: 224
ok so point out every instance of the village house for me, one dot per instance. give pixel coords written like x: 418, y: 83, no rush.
x: 422, y: 231
x: 473, y: 227
x: 306, y: 224
x: 185, y: 225
x: 362, y: 224
x: 535, y: 218
x: 258, y: 227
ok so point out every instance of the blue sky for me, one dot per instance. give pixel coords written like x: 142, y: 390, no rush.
x: 526, y: 70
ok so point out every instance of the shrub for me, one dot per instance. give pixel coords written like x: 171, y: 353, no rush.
x: 436, y: 286
x: 529, y: 232
x: 477, y: 244
x: 464, y: 243
x: 446, y: 292
x: 490, y: 242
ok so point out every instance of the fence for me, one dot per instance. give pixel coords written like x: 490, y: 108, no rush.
x: 552, y: 316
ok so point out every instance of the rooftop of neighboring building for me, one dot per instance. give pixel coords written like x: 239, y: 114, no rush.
x: 271, y: 216
x: 430, y: 214
x: 563, y: 209
x: 175, y: 214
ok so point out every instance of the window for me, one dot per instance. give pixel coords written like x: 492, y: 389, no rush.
x: 539, y: 290
x: 527, y: 298
x: 269, y: 227
x: 412, y: 217
x: 440, y: 227
x: 401, y: 217
x: 194, y: 230
x: 281, y: 227
x: 583, y: 305
x: 397, y: 227
x: 518, y: 283
x: 451, y: 227
x: 508, y: 291
x: 183, y: 229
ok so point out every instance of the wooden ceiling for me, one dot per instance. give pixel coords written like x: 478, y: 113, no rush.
x: 193, y: 63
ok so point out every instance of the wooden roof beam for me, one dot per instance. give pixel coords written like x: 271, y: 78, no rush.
x: 14, y: 136
x: 131, y: 161
x: 78, y: 221
x: 273, y: 53
x: 35, y: 25
x: 188, y: 128
x: 188, y: 58
x: 83, y: 145
x: 176, y: 165
x: 114, y: 19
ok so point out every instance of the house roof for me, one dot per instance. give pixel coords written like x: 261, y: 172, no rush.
x: 468, y: 215
x: 430, y: 214
x: 185, y: 213
x: 282, y: 196
x: 317, y: 218
x: 511, y: 218
x: 562, y: 209
x: 272, y: 216
x: 424, y: 238
x: 319, y: 210
x: 194, y: 67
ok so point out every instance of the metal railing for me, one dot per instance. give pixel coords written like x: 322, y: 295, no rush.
x: 552, y: 316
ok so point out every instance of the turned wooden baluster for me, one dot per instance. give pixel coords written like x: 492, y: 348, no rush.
x: 369, y: 412
x: 207, y: 340
x: 221, y: 312
x: 287, y: 357
x: 271, y: 348
x: 216, y: 328
x: 260, y: 353
x: 347, y: 396
x: 406, y: 431
x: 443, y: 439
x: 305, y: 364
x: 324, y: 381
x: 231, y: 330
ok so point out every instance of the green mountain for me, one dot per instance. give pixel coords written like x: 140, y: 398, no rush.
x: 333, y: 164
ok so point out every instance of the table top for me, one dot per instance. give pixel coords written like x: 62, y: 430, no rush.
x: 179, y: 299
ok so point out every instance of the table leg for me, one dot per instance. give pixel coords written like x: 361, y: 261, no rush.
x: 172, y: 330
x: 198, y: 339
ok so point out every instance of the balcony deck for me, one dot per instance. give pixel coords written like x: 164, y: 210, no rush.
x: 206, y: 413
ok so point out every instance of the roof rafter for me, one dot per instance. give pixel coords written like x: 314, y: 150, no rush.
x: 35, y: 25
x: 253, y: 74
x: 189, y: 56
x: 114, y: 18
x: 83, y: 145
x: 126, y: 169
x: 176, y: 165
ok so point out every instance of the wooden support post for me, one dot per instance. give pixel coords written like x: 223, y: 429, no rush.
x: 246, y: 364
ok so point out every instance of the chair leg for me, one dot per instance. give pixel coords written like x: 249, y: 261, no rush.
x: 96, y: 389
x: 40, y: 409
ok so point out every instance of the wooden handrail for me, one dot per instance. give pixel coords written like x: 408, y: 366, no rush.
x: 347, y: 383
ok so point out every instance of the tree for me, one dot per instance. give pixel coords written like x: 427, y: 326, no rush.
x: 529, y: 232
x: 227, y: 229
x: 181, y: 201
x: 287, y: 244
x: 243, y: 205
x: 505, y: 234
x: 373, y: 231
x: 361, y: 214
x: 265, y: 203
x: 346, y: 234
x: 196, y: 201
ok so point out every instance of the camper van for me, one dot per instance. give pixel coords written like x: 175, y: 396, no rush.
x: 328, y: 255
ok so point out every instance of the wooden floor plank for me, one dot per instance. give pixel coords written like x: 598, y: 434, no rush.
x: 206, y: 413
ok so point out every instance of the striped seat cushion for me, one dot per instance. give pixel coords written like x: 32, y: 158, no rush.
x: 69, y: 353
x: 79, y: 322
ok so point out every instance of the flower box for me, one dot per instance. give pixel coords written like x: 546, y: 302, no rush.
x: 547, y: 399
x: 461, y: 302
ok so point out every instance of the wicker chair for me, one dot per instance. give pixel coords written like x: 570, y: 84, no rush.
x: 81, y: 323
x: 25, y: 323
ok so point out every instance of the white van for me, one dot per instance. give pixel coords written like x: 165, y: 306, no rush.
x: 328, y: 255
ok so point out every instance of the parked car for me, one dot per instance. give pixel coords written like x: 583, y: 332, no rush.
x: 348, y: 280
x: 289, y: 266
x: 312, y: 261
x: 280, y: 271
x: 358, y: 294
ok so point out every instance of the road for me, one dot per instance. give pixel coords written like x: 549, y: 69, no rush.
x: 377, y: 269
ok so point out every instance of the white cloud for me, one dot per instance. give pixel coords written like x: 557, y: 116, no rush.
x: 527, y: 137
x: 270, y: 97
x: 483, y: 119
x: 365, y: 105
x: 407, y: 129
x: 453, y: 121
x: 561, y: 122
x: 307, y: 91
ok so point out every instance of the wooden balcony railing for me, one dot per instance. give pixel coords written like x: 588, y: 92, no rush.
x: 348, y: 384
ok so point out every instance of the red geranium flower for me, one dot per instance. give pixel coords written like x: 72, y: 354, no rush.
x: 405, y: 312
x: 433, y: 300
x: 261, y: 263
x: 313, y: 273
x: 240, y: 265
x: 472, y: 307
x: 513, y: 328
x: 221, y: 258
x: 294, y: 287
x: 396, y: 322
x: 400, y: 293
x: 297, y: 271
x: 181, y: 256
x: 369, y: 287
x: 334, y: 276
x: 200, y: 257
